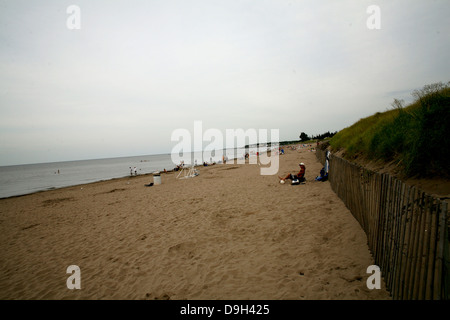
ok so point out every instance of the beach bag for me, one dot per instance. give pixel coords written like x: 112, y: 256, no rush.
x: 298, y: 180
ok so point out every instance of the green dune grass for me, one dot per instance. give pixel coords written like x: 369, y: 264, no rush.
x: 416, y: 137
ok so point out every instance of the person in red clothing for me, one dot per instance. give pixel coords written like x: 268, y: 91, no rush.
x: 300, y: 175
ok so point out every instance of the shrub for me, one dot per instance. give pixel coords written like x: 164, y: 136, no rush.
x: 415, y: 136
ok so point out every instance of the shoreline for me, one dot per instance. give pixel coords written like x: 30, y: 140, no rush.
x: 78, y: 183
x: 114, y: 178
x: 106, y: 180
x: 93, y: 182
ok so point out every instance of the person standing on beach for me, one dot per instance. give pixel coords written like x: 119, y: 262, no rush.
x: 135, y: 171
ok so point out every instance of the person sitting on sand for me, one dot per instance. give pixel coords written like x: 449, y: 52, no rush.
x: 323, y: 175
x: 300, y: 175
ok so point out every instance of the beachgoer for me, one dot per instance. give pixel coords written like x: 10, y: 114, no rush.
x: 135, y: 171
x: 131, y: 171
x: 327, y: 161
x: 300, y: 175
x: 323, y: 175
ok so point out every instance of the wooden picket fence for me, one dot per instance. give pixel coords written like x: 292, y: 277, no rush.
x: 407, y: 230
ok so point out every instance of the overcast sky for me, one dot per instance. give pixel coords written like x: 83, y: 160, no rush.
x: 138, y: 70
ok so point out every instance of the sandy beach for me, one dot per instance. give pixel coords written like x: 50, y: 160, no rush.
x: 228, y: 233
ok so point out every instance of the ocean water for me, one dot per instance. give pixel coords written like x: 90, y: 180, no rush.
x: 24, y: 179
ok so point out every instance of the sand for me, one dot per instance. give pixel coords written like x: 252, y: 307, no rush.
x: 228, y: 233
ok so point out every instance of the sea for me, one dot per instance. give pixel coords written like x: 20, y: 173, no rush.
x: 24, y: 179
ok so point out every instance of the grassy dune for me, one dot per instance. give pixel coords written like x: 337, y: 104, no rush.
x: 416, y: 137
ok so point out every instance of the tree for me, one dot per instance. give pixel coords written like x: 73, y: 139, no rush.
x: 304, y: 137
x: 398, y: 104
x: 322, y: 136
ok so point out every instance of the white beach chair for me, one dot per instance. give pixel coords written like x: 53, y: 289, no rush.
x: 188, y: 173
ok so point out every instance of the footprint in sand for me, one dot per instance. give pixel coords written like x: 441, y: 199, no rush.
x: 184, y: 247
x: 151, y: 296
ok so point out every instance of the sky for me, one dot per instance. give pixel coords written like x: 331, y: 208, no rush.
x: 134, y: 71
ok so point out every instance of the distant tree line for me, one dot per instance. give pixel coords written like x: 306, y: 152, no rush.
x: 305, y: 137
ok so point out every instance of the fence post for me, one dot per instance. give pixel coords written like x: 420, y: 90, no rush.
x: 401, y: 223
x: 406, y: 236
x: 442, y: 263
x: 433, y: 236
x: 418, y: 250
